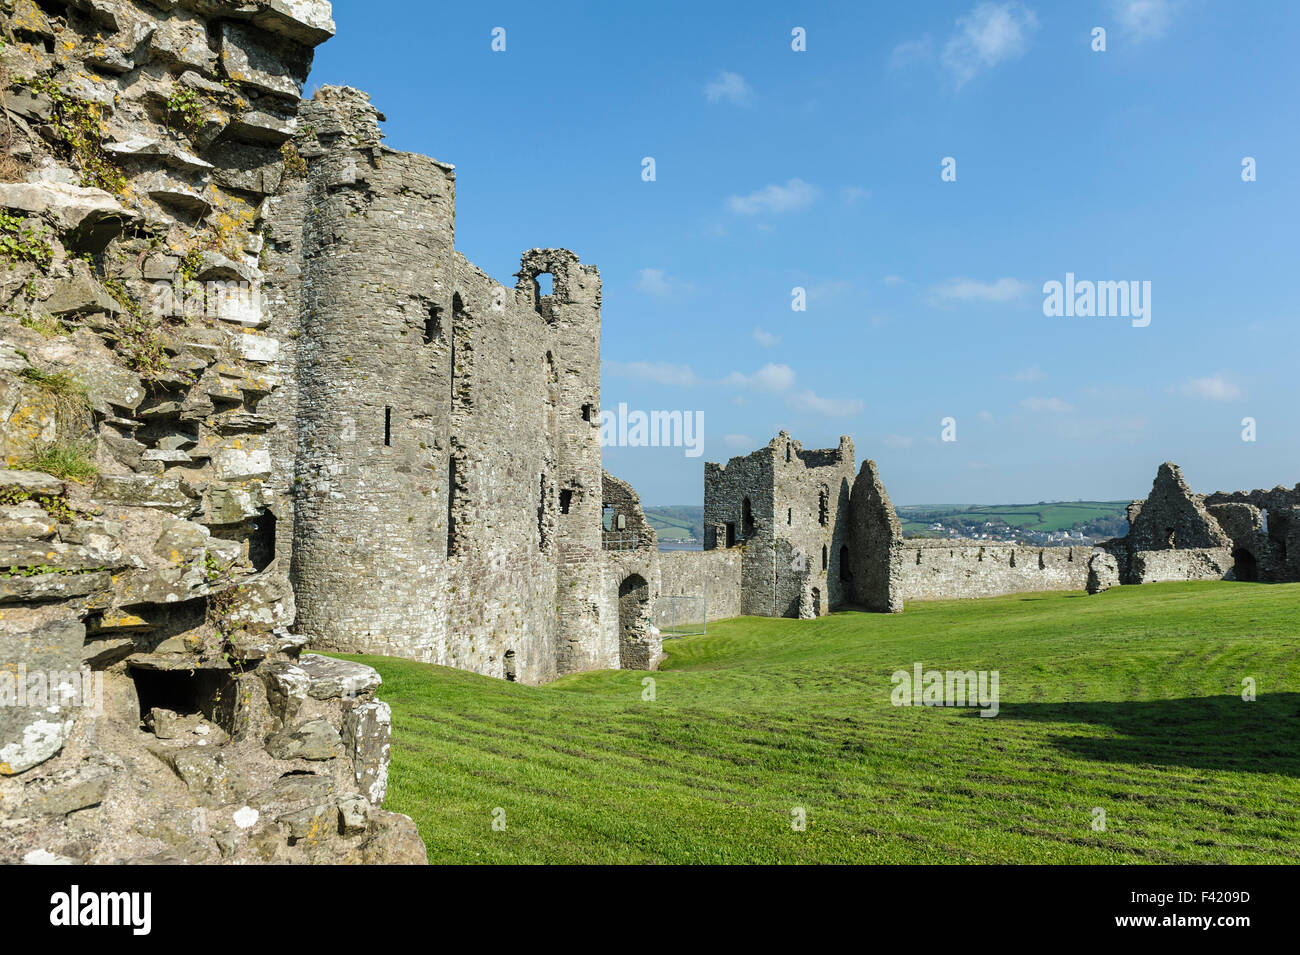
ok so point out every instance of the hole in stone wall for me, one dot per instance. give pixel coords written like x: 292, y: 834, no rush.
x: 1169, y: 535
x: 388, y: 427
x: 731, y: 535
x: 542, y: 541
x: 787, y: 450
x: 566, y: 500
x: 544, y: 291
x: 1244, y: 565
x: 789, y: 515
x: 209, y: 693
x: 607, y: 516
x: 747, y: 519
x: 586, y: 412
x: 261, y: 544
x: 823, y: 507
x: 459, y: 318
x: 825, y: 556
x: 433, y: 325
x: 512, y: 675
x: 845, y: 573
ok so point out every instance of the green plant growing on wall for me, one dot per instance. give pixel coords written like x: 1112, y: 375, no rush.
x: 295, y: 166
x: 78, y: 129
x: 185, y: 111
x: 66, y: 459
x: 140, y: 340
x: 20, y: 242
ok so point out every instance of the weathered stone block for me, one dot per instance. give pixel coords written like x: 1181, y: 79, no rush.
x: 338, y: 679
x: 314, y: 740
x: 367, y: 738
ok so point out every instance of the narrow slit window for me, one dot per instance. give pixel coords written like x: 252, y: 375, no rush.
x: 388, y: 427
x: 433, y: 325
x: 566, y: 500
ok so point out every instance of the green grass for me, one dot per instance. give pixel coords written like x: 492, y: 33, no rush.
x: 1129, y: 701
x: 676, y: 522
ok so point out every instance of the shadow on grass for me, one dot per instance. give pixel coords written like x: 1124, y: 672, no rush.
x: 1216, y: 732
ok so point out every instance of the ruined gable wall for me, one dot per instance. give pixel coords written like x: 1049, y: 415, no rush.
x: 1173, y: 517
x: 876, y: 561
x: 945, y: 570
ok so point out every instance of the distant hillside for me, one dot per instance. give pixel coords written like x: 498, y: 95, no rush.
x: 1096, y: 519
x: 677, y: 521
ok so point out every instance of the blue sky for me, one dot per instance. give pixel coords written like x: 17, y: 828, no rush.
x: 821, y: 169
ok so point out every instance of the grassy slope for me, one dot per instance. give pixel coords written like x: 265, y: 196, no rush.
x: 1129, y: 701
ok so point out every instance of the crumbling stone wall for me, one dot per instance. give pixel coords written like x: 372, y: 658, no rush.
x: 788, y: 509
x: 146, y: 409
x: 876, y: 567
x: 714, y: 575
x: 1264, y: 527
x: 631, y: 577
x: 950, y: 569
x: 448, y: 458
x: 1172, y: 535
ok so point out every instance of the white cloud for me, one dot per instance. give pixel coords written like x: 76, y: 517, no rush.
x: 911, y: 51
x: 659, y: 372
x: 1046, y: 404
x: 1029, y: 373
x: 898, y: 441
x: 973, y: 290
x: 766, y: 338
x: 1143, y: 19
x: 1211, y: 388
x: 985, y: 37
x: 985, y: 416
x: 657, y: 283
x: 770, y: 377
x: 852, y: 194
x: 738, y: 442
x: 794, y: 195
x: 728, y: 88
x: 830, y: 407
x: 893, y: 280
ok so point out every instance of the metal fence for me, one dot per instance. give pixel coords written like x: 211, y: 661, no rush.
x: 679, y: 616
x: 620, y: 540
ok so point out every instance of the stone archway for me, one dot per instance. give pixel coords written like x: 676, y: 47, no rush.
x: 633, y: 623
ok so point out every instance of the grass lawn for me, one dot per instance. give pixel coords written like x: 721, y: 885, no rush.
x: 1129, y: 701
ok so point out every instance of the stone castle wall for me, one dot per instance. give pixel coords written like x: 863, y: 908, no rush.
x: 150, y: 327
x: 714, y: 575
x: 787, y: 508
x: 948, y: 569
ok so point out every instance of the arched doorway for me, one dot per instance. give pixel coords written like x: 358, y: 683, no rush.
x: 1244, y: 565
x: 633, y: 617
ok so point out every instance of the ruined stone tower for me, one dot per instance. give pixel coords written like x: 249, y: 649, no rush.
x: 787, y: 506
x: 448, y: 463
